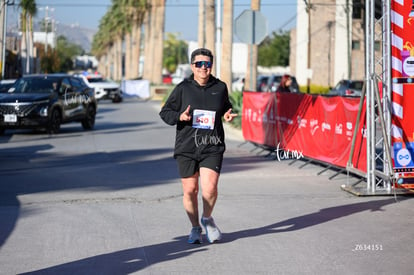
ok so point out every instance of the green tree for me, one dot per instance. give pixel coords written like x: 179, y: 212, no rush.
x: 175, y: 52
x: 274, y: 50
x: 66, y: 51
x: 59, y: 59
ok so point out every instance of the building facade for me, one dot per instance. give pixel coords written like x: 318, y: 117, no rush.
x: 335, y: 49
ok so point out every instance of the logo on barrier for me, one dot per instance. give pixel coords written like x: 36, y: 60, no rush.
x: 403, y: 157
x: 349, y: 129
x: 338, y: 129
x: 326, y: 127
x: 314, y: 126
x: 301, y: 122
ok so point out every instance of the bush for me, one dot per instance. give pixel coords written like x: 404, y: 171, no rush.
x: 236, y: 99
x: 315, y: 89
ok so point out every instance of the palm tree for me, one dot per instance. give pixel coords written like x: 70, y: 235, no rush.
x: 148, y: 49
x: 154, y: 20
x: 136, y: 13
x: 158, y: 41
x: 102, y: 45
x: 29, y: 10
x: 210, y: 29
x: 201, y: 24
x: 251, y: 78
x: 119, y: 26
x: 107, y: 44
x: 207, y: 26
x: 124, y: 21
x: 227, y: 44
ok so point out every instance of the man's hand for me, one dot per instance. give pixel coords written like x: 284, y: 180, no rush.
x: 186, y: 116
x: 228, y: 116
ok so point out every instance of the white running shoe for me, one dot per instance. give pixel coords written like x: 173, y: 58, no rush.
x: 212, y: 231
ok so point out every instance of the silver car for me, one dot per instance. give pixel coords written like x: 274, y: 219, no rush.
x: 347, y: 87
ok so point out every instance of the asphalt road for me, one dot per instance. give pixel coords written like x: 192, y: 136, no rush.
x: 108, y: 201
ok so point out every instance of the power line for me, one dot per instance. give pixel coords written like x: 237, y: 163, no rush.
x: 172, y: 5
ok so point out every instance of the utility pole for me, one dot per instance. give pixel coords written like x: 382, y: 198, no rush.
x: 348, y: 38
x: 3, y: 33
x: 46, y: 25
x: 308, y: 10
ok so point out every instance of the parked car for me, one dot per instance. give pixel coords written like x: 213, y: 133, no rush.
x: 104, y: 88
x: 166, y: 79
x: 347, y: 87
x: 238, y: 84
x: 6, y: 84
x: 273, y: 82
x: 262, y: 83
x: 294, y: 87
x: 47, y: 101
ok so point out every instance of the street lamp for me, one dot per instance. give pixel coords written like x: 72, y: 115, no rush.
x: 46, y: 24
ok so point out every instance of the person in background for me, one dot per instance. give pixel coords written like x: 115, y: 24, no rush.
x: 196, y: 106
x: 285, y: 84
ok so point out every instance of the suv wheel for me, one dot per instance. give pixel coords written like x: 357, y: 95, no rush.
x: 89, y: 121
x: 117, y: 98
x: 54, y: 122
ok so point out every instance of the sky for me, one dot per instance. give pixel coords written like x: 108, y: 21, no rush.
x: 181, y: 15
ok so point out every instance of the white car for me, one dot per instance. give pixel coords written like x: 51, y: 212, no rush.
x: 104, y: 88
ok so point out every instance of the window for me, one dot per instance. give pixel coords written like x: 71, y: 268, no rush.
x: 356, y: 45
x: 356, y: 9
x: 77, y: 84
x: 377, y: 46
x: 65, y: 86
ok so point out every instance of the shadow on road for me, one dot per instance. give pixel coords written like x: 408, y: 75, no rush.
x: 324, y: 215
x: 136, y: 259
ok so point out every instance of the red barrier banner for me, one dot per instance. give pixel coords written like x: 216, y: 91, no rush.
x: 259, y: 118
x: 317, y: 127
x: 402, y: 128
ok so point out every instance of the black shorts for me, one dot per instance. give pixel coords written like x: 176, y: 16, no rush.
x: 189, y: 166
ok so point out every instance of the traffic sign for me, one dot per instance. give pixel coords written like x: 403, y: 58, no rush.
x: 251, y: 27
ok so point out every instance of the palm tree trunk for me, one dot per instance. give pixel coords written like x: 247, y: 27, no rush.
x: 112, y: 62
x: 158, y: 41
x: 119, y: 54
x: 201, y: 23
x: 211, y: 28
x: 23, y: 45
x: 27, y: 33
x: 31, y: 45
x: 128, y: 55
x: 251, y: 78
x: 148, y: 49
x: 136, y: 50
x: 227, y: 44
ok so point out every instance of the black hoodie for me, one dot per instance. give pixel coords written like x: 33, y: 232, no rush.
x: 190, y: 141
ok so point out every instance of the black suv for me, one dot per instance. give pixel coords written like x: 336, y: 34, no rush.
x: 47, y: 101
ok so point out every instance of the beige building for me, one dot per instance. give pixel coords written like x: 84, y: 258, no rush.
x: 336, y: 42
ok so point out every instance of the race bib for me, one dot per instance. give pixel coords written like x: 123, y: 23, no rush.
x: 203, y: 119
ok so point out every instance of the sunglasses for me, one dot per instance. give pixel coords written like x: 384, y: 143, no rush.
x: 200, y: 64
